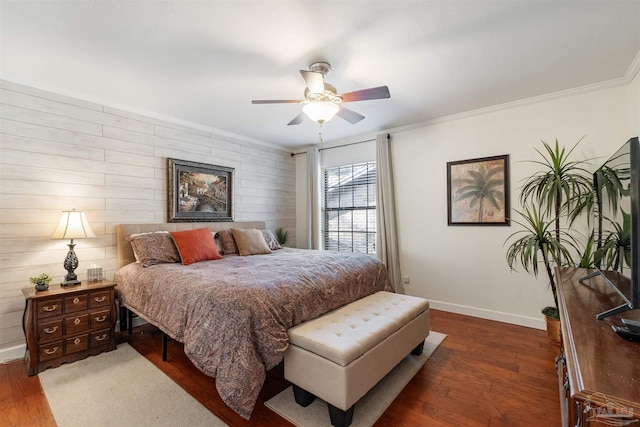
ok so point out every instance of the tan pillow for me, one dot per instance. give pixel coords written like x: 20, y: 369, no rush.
x: 250, y: 242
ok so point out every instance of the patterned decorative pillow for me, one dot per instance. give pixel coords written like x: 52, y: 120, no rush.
x: 227, y: 242
x: 250, y: 242
x: 154, y: 248
x: 271, y: 240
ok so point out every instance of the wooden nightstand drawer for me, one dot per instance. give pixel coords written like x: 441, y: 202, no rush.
x: 99, y: 299
x: 76, y: 324
x: 50, y: 351
x: 100, y: 318
x: 48, y: 331
x: 75, y: 303
x: 100, y: 338
x: 75, y: 344
x: 49, y: 308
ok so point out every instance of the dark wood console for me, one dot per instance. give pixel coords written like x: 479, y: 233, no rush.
x: 599, y: 371
x: 65, y: 324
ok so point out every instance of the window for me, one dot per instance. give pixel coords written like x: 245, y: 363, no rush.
x: 349, y: 208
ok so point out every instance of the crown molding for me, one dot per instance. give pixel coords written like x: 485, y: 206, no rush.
x: 518, y: 103
x: 630, y: 74
x: 151, y: 114
x: 633, y: 69
x: 495, y: 108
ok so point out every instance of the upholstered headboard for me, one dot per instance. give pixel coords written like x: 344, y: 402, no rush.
x: 125, y: 252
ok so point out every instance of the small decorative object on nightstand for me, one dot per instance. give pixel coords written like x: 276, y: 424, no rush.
x: 94, y: 273
x: 65, y: 324
x: 72, y: 225
x: 41, y: 281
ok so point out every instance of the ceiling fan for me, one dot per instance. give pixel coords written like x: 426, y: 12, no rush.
x: 322, y: 101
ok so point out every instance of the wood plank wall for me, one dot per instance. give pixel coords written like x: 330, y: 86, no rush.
x: 59, y: 153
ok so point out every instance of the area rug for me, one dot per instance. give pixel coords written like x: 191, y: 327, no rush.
x: 371, y: 406
x: 120, y: 388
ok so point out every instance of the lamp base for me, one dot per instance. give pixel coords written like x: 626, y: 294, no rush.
x: 70, y: 264
x: 70, y: 282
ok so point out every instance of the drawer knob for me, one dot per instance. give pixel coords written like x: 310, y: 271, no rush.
x: 100, y: 299
x: 51, y: 351
x: 101, y: 318
x: 76, y: 341
x: 51, y: 330
x: 77, y: 321
x: 50, y: 307
x: 101, y: 337
x: 76, y: 300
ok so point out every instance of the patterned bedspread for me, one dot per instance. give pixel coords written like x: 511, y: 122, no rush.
x: 233, y: 314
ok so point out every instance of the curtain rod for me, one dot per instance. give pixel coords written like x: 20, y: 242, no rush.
x: 339, y: 146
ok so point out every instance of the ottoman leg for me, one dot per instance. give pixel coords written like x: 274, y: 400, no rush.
x: 303, y: 397
x: 418, y: 350
x: 340, y: 418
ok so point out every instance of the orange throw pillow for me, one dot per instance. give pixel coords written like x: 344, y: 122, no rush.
x: 195, y: 245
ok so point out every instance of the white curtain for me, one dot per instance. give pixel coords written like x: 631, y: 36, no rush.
x: 313, y: 198
x: 386, y: 235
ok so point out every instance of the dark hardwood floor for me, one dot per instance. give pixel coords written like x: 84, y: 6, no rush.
x: 485, y: 373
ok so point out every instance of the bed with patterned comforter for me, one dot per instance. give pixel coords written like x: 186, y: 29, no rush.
x: 233, y: 314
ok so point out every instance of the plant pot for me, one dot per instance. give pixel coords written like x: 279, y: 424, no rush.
x: 553, y: 328
x: 42, y: 286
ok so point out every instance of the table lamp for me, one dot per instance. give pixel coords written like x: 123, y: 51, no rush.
x: 73, y: 225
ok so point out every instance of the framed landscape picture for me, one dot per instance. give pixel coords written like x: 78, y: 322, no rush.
x: 478, y: 191
x: 199, y: 192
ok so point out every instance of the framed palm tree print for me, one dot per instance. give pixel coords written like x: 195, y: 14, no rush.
x: 478, y: 191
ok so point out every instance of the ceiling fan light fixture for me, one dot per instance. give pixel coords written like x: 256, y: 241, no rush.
x: 321, y: 111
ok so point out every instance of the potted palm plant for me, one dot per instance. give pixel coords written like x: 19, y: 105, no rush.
x: 537, y: 243
x: 282, y: 235
x: 553, y: 197
x: 615, y: 249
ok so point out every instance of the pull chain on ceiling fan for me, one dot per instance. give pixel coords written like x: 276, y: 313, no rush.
x: 322, y: 101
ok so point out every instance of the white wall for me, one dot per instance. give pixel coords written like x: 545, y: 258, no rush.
x: 634, y: 106
x: 59, y: 153
x: 463, y: 268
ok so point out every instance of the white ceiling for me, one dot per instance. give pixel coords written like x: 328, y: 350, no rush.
x: 204, y: 61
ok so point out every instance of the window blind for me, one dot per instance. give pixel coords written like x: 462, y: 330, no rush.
x: 349, y: 208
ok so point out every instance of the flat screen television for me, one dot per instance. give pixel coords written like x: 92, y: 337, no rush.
x: 616, y: 219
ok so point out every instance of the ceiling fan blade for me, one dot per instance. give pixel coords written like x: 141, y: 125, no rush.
x: 366, y: 94
x: 349, y: 115
x: 297, y: 120
x: 315, y: 81
x: 275, y: 101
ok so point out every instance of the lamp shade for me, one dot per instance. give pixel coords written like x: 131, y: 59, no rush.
x: 321, y: 111
x: 73, y: 225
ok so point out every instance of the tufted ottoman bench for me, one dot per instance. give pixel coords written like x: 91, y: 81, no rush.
x: 341, y: 355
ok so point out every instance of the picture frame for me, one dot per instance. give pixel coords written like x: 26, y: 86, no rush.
x: 199, y: 191
x: 478, y: 191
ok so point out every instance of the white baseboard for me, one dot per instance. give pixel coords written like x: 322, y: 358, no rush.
x: 12, y: 353
x: 514, y: 319
x: 17, y: 352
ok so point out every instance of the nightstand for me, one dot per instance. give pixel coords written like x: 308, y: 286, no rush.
x: 65, y: 324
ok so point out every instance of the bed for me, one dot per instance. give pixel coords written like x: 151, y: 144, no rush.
x: 232, y: 314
